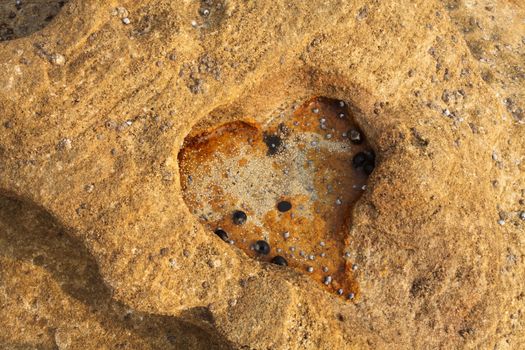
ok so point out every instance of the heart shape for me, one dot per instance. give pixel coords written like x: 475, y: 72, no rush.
x: 283, y: 193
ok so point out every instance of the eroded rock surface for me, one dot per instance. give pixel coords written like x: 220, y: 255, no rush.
x: 98, y: 248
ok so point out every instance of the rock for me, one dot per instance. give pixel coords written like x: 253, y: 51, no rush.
x: 433, y: 271
x: 58, y: 59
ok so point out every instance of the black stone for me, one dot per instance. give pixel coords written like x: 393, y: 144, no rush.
x: 222, y: 234
x: 284, y: 206
x: 239, y: 217
x: 279, y: 260
x: 365, y: 161
x: 274, y: 143
x: 262, y: 247
x: 359, y: 160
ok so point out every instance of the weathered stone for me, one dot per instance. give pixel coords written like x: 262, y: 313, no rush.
x: 437, y: 88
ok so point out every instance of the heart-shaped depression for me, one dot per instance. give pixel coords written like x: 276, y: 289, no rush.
x: 283, y: 193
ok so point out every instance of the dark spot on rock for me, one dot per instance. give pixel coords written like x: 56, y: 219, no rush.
x: 284, y: 206
x: 262, y: 247
x: 368, y: 168
x: 420, y: 286
x: 274, y: 143
x: 239, y: 217
x: 359, y: 160
x: 222, y: 234
x: 370, y: 162
x: 466, y: 332
x: 279, y: 260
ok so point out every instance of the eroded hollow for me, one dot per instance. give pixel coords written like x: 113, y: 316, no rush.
x: 19, y: 18
x: 283, y: 192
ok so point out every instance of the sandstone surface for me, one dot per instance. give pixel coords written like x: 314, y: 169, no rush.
x: 99, y: 250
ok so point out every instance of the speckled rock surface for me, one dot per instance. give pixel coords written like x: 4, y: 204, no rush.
x: 99, y: 250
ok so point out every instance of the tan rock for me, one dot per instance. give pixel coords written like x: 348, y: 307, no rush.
x: 438, y: 88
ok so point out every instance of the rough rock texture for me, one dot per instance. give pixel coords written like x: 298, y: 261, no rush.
x: 98, y: 249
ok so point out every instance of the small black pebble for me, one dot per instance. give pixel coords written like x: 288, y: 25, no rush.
x: 359, y: 160
x: 262, y: 247
x: 279, y: 260
x: 222, y: 234
x: 239, y: 217
x: 284, y: 206
x: 365, y: 160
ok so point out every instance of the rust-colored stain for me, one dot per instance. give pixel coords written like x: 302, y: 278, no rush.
x: 305, y: 158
